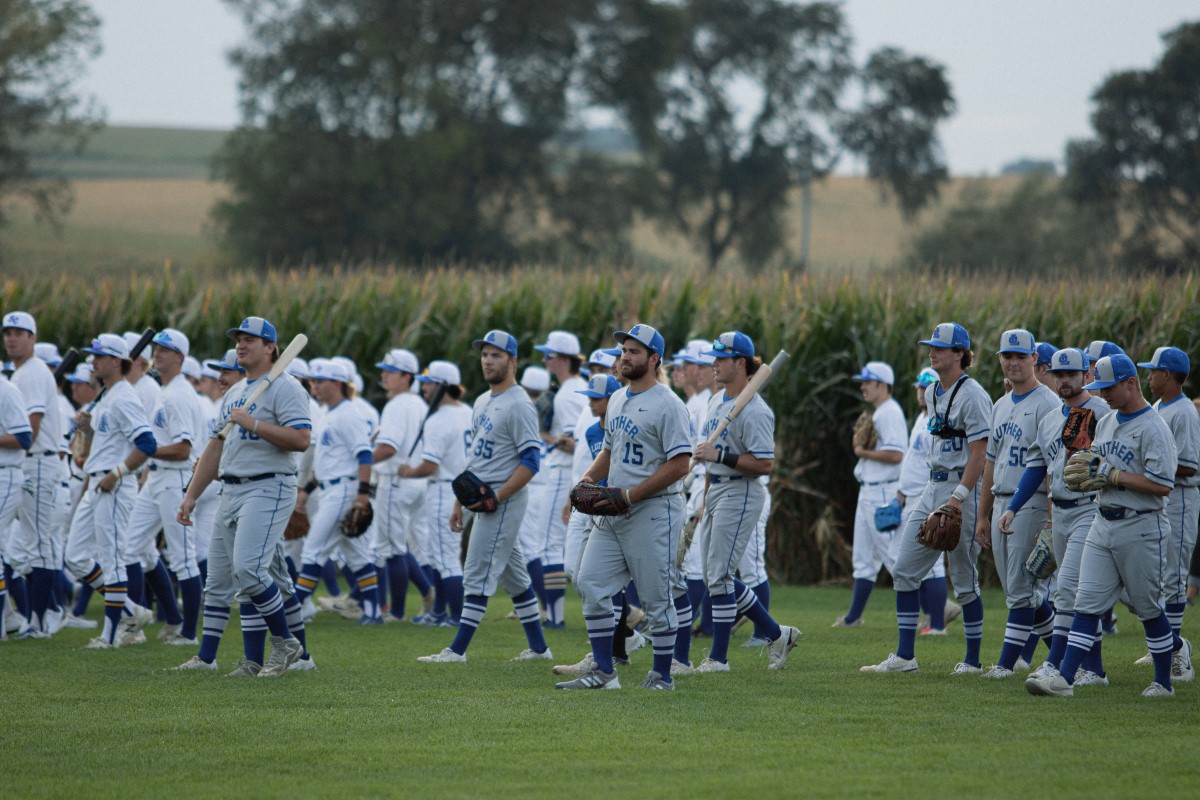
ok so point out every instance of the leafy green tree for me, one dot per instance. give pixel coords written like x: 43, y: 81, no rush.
x: 1143, y: 166
x: 44, y: 45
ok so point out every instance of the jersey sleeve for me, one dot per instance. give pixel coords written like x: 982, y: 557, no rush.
x: 390, y: 427
x: 179, y: 423
x: 977, y: 414
x: 14, y: 418
x: 1187, y: 435
x: 523, y: 424
x: 759, y: 433
x: 675, y: 430
x: 890, y: 429
x: 1034, y: 455
x: 130, y: 415
x: 291, y: 406
x: 37, y: 389
x: 437, y: 439
x: 1160, y: 460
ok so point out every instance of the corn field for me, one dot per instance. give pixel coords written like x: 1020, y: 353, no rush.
x: 830, y: 327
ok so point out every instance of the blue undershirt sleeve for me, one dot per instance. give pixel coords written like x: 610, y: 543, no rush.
x: 146, y: 443
x: 531, y: 458
x: 1031, y: 480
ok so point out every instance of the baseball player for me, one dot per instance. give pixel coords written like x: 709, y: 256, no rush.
x: 698, y: 368
x: 1132, y: 464
x: 84, y: 389
x: 1045, y: 359
x: 139, y: 373
x: 503, y: 453
x: 1015, y: 420
x: 734, y: 499
x: 878, y: 475
x: 1169, y: 368
x: 646, y: 453
x: 121, y: 441
x: 400, y: 502
x: 599, y: 363
x: 536, y: 383
x: 562, y: 359
x: 34, y: 549
x: 177, y: 422
x: 960, y: 421
x: 16, y: 437
x: 443, y: 455
x: 257, y: 465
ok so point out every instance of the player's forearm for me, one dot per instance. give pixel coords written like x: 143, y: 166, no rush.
x: 135, y: 459
x: 382, y: 453
x: 1185, y: 472
x: 598, y: 471
x: 422, y: 470
x: 205, y: 470
x: 292, y: 440
x: 986, y: 498
x: 669, y: 473
x: 8, y: 441
x: 975, y: 465
x: 515, y: 483
x: 174, y: 452
x: 885, y: 456
x: 364, y: 473
x: 35, y: 422
x: 1131, y: 481
x: 753, y: 465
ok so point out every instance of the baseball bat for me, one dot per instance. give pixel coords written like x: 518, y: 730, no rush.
x: 147, y: 335
x: 68, y: 363
x: 757, y: 383
x: 438, y: 394
x: 289, y: 353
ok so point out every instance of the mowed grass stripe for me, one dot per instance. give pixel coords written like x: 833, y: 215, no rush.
x: 373, y: 722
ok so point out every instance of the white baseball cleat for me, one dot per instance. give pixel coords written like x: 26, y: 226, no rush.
x: 532, y: 655
x: 284, y: 653
x: 584, y: 664
x: 636, y: 641
x: 1021, y: 665
x: 169, y: 632
x: 127, y: 638
x: 592, y: 679
x: 1145, y: 661
x: 1156, y: 689
x: 712, y: 665
x: 72, y: 621
x: 1046, y: 665
x: 1049, y: 684
x: 447, y: 656
x: 952, y: 611
x: 893, y: 663
x: 308, y: 610
x: 682, y: 667
x: 55, y: 619
x: 997, y: 672
x: 194, y: 663
x: 1181, y: 663
x: 841, y: 622
x: 245, y: 669
x: 100, y: 643
x: 1084, y: 677
x: 305, y: 664
x: 140, y: 618
x: 963, y: 668
x: 931, y: 631
x: 181, y: 641
x: 755, y: 641
x: 777, y: 651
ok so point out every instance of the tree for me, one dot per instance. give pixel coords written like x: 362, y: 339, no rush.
x: 43, y: 47
x: 750, y: 102
x: 1143, y: 166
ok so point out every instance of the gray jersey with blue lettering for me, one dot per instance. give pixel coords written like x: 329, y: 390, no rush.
x: 753, y: 431
x: 502, y: 426
x: 970, y: 413
x: 1050, y: 452
x: 1015, y: 421
x: 246, y: 454
x: 1184, y: 421
x: 641, y: 432
x: 1140, y: 443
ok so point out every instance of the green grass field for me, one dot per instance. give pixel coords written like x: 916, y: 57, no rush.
x: 371, y: 722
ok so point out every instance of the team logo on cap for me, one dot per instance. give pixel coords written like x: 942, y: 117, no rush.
x: 1064, y: 359
x: 13, y: 319
x: 1014, y: 339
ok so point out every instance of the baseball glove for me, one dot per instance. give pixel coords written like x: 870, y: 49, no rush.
x: 297, y: 527
x: 1079, y: 429
x: 864, y: 431
x: 1086, y: 471
x: 470, y: 490
x: 1040, y: 563
x: 357, y: 521
x: 599, y: 501
x: 887, y: 518
x: 943, y: 529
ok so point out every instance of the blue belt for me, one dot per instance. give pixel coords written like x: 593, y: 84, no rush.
x: 1121, y: 513
x: 32, y: 454
x: 942, y: 477
x: 334, y: 482
x: 235, y: 480
x: 1076, y: 503
x: 720, y: 478
x: 878, y: 483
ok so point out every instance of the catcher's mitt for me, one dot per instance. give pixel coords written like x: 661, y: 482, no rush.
x: 297, y: 526
x: 887, y: 518
x: 1086, y: 471
x: 943, y: 529
x: 599, y: 501
x: 470, y: 490
x: 1079, y: 429
x: 864, y: 431
x: 357, y: 521
x: 1040, y: 563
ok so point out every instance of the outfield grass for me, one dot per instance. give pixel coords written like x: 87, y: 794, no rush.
x: 371, y: 722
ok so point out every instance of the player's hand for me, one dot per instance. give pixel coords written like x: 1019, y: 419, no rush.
x: 860, y: 451
x: 706, y: 452
x: 107, y: 483
x: 456, y: 519
x: 983, y: 533
x: 184, y: 515
x: 566, y: 512
x: 1006, y: 521
x: 241, y: 418
x: 83, y: 421
x: 302, y: 502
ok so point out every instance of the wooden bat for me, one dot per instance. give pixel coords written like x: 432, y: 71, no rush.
x: 289, y: 353
x: 68, y: 363
x: 757, y: 383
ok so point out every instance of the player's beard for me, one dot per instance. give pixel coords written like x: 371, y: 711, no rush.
x: 1069, y: 391
x: 634, y: 372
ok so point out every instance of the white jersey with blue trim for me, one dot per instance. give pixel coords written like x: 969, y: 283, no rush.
x: 914, y: 469
x: 697, y: 408
x: 246, y: 454
x: 446, y: 438
x: 752, y: 432
x: 66, y: 413
x: 1184, y: 422
x: 891, y: 434
x: 970, y: 414
x: 1140, y: 443
x: 179, y: 417
x: 148, y: 391
x: 341, y: 435
x: 399, y: 427
x: 582, y: 458
x: 502, y: 427
x: 1049, y: 450
x: 641, y: 432
x: 117, y: 420
x: 14, y: 420
x: 1015, y: 420
x: 568, y: 404
x: 368, y: 412
x: 35, y: 382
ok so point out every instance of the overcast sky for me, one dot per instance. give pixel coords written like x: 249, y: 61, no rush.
x: 1021, y: 70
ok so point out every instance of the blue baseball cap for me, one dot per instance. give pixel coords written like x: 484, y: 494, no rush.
x: 1100, y: 348
x: 1111, y: 370
x: 1069, y: 359
x: 1017, y: 340
x: 109, y: 344
x: 877, y: 371
x: 1045, y: 353
x: 255, y: 326
x: 926, y: 377
x: 172, y: 340
x: 498, y: 339
x: 600, y: 386
x: 645, y: 335
x: 229, y: 362
x: 1172, y: 359
x: 949, y: 334
x: 731, y: 344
